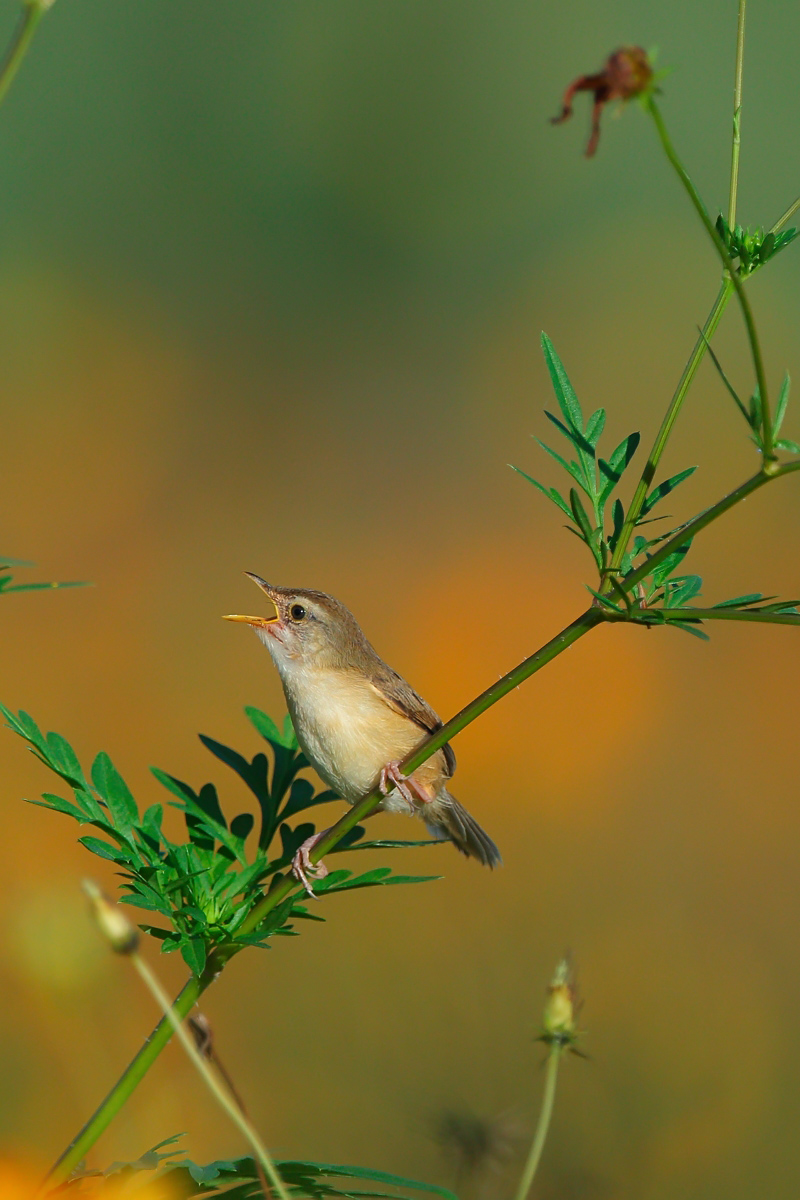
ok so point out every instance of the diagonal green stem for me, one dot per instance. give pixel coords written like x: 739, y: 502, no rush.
x: 722, y: 250
x: 692, y: 528
x: 162, y: 1033
x: 497, y: 691
x: 540, y: 1136
x: 284, y: 885
x: 32, y: 14
x: 222, y: 1097
x: 791, y: 210
x: 80, y: 1145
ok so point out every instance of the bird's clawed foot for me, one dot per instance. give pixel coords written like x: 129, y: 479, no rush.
x: 392, y: 777
x: 302, y: 867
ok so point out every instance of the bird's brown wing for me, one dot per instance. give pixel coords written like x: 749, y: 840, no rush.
x: 402, y: 698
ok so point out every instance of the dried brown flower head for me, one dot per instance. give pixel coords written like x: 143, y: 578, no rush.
x: 626, y: 73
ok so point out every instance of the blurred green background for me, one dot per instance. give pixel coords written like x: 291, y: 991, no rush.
x: 273, y: 277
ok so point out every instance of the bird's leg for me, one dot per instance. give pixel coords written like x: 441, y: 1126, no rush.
x: 302, y: 865
x: 413, y: 793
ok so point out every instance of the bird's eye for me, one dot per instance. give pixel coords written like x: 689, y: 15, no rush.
x: 297, y: 612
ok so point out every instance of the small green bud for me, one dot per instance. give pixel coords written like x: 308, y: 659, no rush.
x: 560, y: 1010
x: 115, y: 927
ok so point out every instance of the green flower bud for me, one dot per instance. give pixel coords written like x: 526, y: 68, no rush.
x: 118, y: 931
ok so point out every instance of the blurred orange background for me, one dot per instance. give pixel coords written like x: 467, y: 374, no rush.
x: 272, y: 283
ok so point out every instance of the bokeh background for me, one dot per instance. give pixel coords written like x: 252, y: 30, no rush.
x: 271, y: 288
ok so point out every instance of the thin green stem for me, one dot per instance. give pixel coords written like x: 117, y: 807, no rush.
x: 722, y: 250
x: 31, y: 15
x: 737, y: 115
x: 787, y: 216
x: 223, y: 1099
x: 363, y: 808
x: 648, y: 474
x: 78, y: 1148
x: 540, y: 1136
x: 692, y: 528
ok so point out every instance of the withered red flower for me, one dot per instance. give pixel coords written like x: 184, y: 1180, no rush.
x: 626, y: 73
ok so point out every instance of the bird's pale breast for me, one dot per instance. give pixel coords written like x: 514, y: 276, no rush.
x: 348, y: 732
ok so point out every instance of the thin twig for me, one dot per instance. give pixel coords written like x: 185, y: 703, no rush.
x: 31, y: 15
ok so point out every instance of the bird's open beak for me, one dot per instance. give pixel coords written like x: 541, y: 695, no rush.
x: 258, y: 622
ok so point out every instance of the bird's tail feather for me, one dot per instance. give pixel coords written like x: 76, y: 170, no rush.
x: 452, y: 821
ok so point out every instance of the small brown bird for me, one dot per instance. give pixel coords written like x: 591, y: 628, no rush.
x: 356, y: 719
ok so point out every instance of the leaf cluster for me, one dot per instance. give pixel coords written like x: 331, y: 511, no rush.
x: 598, y: 521
x: 238, y: 1179
x: 205, y: 887
x: 752, y: 247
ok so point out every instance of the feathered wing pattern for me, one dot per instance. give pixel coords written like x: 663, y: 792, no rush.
x: 447, y: 818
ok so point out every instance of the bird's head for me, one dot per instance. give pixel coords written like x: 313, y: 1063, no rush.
x: 308, y: 629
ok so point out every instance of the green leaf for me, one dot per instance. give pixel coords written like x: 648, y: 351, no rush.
x: 193, y: 952
x: 688, y: 627
x: 113, y: 789
x: 551, y: 493
x: 64, y: 759
x: 242, y: 825
x: 342, y: 881
x: 677, y: 592
x: 614, y: 469
x: 265, y: 725
x: 565, y: 394
x: 740, y: 601
x: 664, y: 489
x: 604, y: 600
x: 104, y: 850
x: 589, y: 534
x: 571, y: 468
x: 303, y: 796
x: 785, y: 444
x: 58, y: 804
x: 595, y: 426
x: 665, y: 568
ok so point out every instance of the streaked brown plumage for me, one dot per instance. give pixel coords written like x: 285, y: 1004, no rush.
x: 355, y: 717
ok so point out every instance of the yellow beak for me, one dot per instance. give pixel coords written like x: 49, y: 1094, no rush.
x: 259, y: 622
